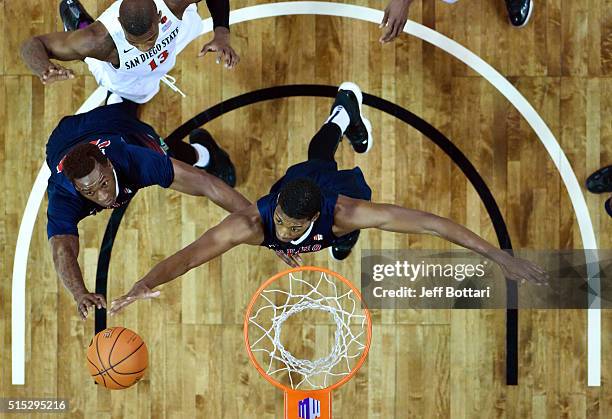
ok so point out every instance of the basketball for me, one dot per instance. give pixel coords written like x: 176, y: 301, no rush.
x: 117, y: 358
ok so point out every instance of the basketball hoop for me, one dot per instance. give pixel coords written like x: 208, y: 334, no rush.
x: 333, y: 310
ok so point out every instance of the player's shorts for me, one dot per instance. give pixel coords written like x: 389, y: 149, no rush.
x: 325, y: 173
x: 142, y: 89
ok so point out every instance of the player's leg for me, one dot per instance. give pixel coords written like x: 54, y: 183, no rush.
x: 345, y: 118
x: 325, y: 142
x: 210, y: 156
x: 74, y: 16
x: 358, y: 130
x: 204, y: 153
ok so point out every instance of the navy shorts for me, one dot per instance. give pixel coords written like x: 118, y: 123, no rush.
x: 325, y: 173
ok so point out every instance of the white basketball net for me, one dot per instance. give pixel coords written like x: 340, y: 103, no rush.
x: 268, y: 318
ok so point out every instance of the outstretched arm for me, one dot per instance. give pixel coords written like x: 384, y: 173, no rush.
x: 65, y: 251
x: 219, y: 11
x: 92, y: 41
x: 192, y: 181
x: 236, y: 229
x: 353, y: 214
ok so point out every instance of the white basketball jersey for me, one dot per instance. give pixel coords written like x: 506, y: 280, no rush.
x: 138, y: 75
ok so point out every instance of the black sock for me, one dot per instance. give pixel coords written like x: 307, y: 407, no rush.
x: 324, y: 144
x: 184, y: 152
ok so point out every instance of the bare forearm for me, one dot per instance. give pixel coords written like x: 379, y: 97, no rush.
x: 35, y: 55
x: 216, y: 241
x: 65, y: 254
x: 226, y: 197
x: 188, y: 179
x: 192, y: 256
x: 462, y: 236
x: 167, y: 270
x: 403, y: 220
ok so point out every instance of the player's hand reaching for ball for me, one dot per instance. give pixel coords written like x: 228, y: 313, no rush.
x: 55, y: 72
x: 221, y: 45
x: 394, y: 20
x: 138, y: 292
x: 88, y: 301
x: 523, y: 270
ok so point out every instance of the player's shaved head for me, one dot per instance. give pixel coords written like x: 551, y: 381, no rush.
x: 138, y: 16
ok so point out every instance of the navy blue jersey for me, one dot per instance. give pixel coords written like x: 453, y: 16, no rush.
x: 135, y: 150
x: 333, y: 182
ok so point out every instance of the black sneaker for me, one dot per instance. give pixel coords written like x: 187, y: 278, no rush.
x: 341, y: 249
x: 600, y: 181
x: 359, y: 131
x: 220, y: 164
x: 519, y: 12
x: 608, y: 206
x: 74, y: 16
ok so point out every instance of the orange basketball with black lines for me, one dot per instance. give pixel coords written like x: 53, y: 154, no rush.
x: 117, y: 358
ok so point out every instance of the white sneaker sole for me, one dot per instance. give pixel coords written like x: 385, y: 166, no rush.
x: 350, y: 86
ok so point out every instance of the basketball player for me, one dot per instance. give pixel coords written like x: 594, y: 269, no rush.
x: 100, y: 159
x: 396, y: 15
x: 131, y: 46
x: 316, y: 206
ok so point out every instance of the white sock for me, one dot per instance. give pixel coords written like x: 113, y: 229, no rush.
x: 203, y: 155
x: 340, y: 117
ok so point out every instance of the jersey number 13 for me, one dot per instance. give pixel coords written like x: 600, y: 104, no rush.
x: 162, y: 57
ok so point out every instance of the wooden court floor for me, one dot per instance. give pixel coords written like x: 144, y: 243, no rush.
x: 423, y: 364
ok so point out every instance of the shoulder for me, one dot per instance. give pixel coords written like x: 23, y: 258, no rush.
x: 244, y: 226
x: 95, y: 41
x: 345, y: 206
x: 347, y: 214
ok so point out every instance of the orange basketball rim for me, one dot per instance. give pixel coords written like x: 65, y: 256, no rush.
x: 307, y: 288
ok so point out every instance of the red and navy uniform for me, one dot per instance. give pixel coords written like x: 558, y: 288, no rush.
x: 333, y: 182
x: 135, y: 150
